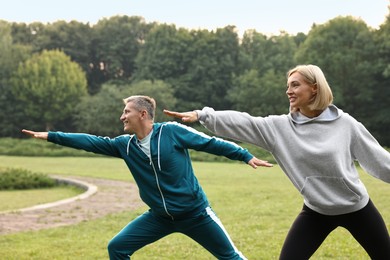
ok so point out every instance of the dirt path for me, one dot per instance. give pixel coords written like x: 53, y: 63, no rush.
x: 110, y: 197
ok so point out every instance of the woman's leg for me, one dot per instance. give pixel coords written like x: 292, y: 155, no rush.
x: 306, y: 234
x: 369, y: 229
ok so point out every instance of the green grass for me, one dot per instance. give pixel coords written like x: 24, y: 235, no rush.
x: 98, y: 167
x: 257, y: 208
x: 17, y: 199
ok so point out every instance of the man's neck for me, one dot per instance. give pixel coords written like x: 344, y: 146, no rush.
x: 144, y: 132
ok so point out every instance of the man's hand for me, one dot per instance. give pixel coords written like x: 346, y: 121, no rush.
x: 38, y: 135
x: 188, y: 117
x: 254, y: 162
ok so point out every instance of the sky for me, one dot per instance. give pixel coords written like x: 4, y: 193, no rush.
x: 265, y: 16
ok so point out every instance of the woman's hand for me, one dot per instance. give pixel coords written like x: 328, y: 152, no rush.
x: 188, y: 117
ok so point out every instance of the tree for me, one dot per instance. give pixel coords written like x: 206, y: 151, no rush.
x: 11, y: 55
x: 380, y: 120
x: 260, y: 88
x: 198, y: 64
x: 213, y: 65
x: 26, y: 34
x: 165, y: 56
x: 99, y: 114
x: 115, y: 45
x: 253, y: 51
x: 50, y: 85
x: 73, y: 38
x: 260, y: 95
x: 344, y: 48
x: 262, y: 53
x: 164, y: 53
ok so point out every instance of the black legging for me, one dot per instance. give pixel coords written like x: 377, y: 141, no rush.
x: 310, y: 229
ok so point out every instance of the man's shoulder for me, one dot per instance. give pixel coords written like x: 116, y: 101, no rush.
x: 169, y: 124
x: 124, y: 137
x: 174, y: 128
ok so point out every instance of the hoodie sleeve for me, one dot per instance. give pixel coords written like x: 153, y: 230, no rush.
x: 86, y: 142
x: 372, y: 157
x: 239, y: 126
x: 189, y: 138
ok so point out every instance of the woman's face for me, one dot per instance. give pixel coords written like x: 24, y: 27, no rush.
x: 300, y: 93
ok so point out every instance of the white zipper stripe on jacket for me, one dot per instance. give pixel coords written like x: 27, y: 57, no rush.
x: 155, y: 173
x: 159, y: 189
x: 128, y: 144
x: 158, y: 147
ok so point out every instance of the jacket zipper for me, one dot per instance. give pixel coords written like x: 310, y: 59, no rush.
x: 159, y: 189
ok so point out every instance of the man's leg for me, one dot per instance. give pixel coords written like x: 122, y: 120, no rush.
x: 208, y: 231
x: 140, y: 232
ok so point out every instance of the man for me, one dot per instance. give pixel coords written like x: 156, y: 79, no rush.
x: 157, y: 156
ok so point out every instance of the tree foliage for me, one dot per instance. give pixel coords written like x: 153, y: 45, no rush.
x: 11, y: 54
x: 201, y: 67
x: 50, y: 85
x: 379, y: 121
x: 260, y: 95
x: 115, y: 44
x: 343, y: 48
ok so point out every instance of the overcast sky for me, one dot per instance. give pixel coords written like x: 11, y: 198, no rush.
x: 265, y: 16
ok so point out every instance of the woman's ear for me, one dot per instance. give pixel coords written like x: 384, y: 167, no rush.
x: 314, y: 89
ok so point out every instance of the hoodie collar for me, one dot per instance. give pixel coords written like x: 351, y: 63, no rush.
x: 331, y: 113
x: 157, y: 130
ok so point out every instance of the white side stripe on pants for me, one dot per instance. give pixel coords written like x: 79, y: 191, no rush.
x: 211, y: 213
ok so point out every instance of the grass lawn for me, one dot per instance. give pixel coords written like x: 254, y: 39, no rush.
x: 17, y: 199
x: 256, y: 207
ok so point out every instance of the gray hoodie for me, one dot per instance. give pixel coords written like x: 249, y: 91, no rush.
x: 317, y: 154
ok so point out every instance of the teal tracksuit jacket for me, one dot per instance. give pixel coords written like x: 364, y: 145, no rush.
x: 166, y: 181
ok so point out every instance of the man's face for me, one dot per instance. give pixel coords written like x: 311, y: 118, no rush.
x: 131, y: 118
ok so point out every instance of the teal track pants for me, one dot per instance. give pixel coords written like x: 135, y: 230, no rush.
x: 204, y: 227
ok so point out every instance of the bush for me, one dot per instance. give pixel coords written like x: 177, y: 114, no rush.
x: 19, y: 179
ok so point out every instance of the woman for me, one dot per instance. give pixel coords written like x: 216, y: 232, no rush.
x: 316, y: 145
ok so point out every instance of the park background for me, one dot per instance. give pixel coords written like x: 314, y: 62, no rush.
x: 72, y: 76
x: 65, y: 75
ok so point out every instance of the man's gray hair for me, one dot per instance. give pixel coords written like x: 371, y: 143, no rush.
x: 143, y: 103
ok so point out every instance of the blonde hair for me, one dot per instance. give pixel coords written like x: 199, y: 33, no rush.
x: 143, y: 103
x: 313, y: 75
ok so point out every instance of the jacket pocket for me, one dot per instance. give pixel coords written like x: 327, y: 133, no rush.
x: 328, y: 192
